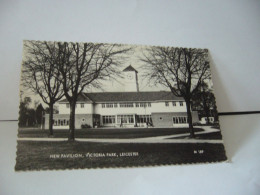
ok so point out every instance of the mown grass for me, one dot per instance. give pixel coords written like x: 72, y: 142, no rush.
x: 32, y: 155
x: 211, y: 136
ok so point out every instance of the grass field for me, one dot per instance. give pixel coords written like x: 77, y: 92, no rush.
x: 32, y: 155
x: 212, y: 136
x: 108, y: 132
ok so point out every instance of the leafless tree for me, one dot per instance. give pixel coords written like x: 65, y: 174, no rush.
x: 40, y: 73
x: 82, y: 65
x: 182, y: 70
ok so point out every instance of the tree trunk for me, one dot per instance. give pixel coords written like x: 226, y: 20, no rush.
x: 51, y: 120
x: 72, y: 121
x: 188, y: 104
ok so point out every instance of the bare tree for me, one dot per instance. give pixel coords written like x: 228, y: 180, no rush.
x: 182, y: 70
x: 40, y: 73
x: 85, y: 64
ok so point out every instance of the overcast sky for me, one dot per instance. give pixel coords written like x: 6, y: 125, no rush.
x: 112, y: 85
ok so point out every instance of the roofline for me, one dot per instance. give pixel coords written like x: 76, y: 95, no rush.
x: 145, y: 101
x: 85, y: 94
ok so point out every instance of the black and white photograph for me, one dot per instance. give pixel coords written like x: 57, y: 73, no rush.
x: 102, y: 105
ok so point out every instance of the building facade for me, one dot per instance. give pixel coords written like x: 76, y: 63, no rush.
x: 131, y: 108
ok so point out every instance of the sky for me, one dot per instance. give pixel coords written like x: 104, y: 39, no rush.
x: 112, y: 85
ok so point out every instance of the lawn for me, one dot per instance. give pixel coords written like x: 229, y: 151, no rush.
x: 121, y: 133
x: 32, y: 155
x: 211, y: 136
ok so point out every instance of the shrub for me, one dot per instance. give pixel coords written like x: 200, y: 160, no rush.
x: 85, y: 126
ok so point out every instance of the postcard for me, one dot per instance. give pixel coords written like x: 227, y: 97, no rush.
x: 100, y: 105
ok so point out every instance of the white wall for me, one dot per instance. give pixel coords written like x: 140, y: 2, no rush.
x: 130, y: 81
x: 155, y: 107
x: 88, y: 109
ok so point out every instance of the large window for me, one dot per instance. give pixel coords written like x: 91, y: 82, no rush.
x: 179, y: 119
x: 109, y: 119
x: 173, y: 103
x: 125, y: 119
x: 166, y: 104
x: 144, y: 118
x: 82, y: 105
x: 181, y: 103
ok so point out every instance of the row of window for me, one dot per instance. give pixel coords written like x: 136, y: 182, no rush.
x: 144, y: 118
x: 111, y: 119
x: 125, y: 119
x: 127, y: 105
x: 148, y: 104
x: 173, y: 103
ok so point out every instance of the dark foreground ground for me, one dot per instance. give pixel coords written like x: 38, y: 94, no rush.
x: 32, y: 155
x: 107, y: 132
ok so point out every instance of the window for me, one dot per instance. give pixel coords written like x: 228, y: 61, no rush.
x: 121, y: 119
x: 173, y: 103
x: 68, y: 105
x: 82, y: 105
x: 126, y: 105
x: 130, y: 119
x: 109, y: 105
x: 103, y: 105
x: 61, y: 122
x: 125, y: 119
x: 115, y: 105
x: 144, y: 118
x: 110, y: 119
x: 179, y: 120
x: 143, y: 105
x: 166, y: 104
x: 181, y: 103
